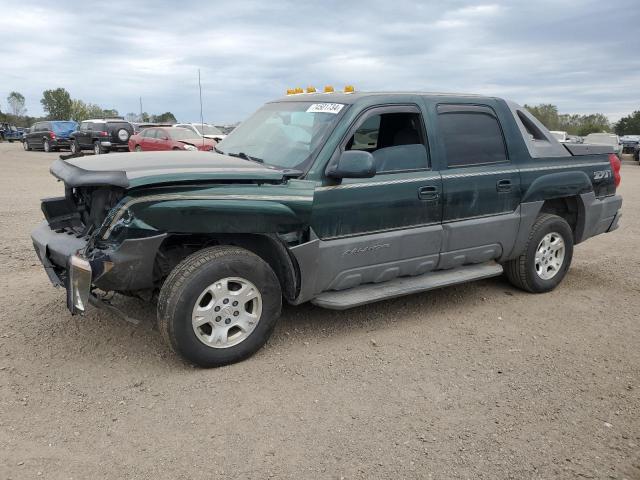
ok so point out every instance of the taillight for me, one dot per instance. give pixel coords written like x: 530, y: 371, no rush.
x: 52, y: 135
x: 104, y: 134
x: 615, y: 167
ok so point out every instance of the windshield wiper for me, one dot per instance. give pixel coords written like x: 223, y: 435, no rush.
x: 244, y: 156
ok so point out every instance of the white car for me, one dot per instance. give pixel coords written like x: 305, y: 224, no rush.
x: 605, y: 139
x: 561, y: 136
x: 203, y: 130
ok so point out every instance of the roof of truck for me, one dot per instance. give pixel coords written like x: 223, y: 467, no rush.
x: 348, y: 98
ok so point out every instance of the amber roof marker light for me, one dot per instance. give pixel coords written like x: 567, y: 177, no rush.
x: 349, y: 89
x: 328, y: 89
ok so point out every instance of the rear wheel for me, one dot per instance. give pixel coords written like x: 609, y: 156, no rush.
x: 546, y: 257
x: 219, y: 306
x: 74, y: 146
x: 46, y: 146
x: 97, y: 148
x: 26, y: 146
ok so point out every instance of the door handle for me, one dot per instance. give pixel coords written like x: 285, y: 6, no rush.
x: 503, y: 186
x: 428, y: 192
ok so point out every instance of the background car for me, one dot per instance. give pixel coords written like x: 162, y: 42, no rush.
x: 630, y: 143
x: 102, y: 136
x: 169, y: 138
x: 10, y: 132
x: 561, y: 136
x: 204, y: 130
x: 49, y: 136
x: 610, y: 139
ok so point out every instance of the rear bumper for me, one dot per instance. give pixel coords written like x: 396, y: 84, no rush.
x: 114, y: 146
x: 600, y: 215
x: 68, y: 263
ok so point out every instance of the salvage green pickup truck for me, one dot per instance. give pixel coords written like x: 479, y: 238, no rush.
x: 337, y: 199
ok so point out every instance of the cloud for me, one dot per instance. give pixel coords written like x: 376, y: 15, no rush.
x: 579, y: 55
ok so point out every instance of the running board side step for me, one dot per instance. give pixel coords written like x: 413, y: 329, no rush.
x: 374, y: 292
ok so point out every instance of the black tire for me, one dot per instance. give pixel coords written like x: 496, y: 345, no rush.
x: 46, y: 146
x: 138, y: 148
x: 521, y: 271
x: 97, y: 148
x: 188, y: 281
x: 26, y: 146
x: 74, y: 146
x: 10, y: 140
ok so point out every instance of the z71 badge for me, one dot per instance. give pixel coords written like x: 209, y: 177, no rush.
x: 601, y: 174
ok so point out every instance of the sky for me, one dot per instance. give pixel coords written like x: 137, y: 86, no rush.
x: 583, y: 56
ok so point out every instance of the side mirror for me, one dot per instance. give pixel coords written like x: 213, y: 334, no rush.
x: 352, y: 164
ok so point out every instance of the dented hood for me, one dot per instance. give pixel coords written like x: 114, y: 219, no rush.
x: 128, y: 170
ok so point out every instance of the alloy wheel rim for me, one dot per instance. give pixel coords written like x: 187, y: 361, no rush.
x: 46, y: 146
x: 550, y: 255
x: 226, y: 312
x: 96, y: 149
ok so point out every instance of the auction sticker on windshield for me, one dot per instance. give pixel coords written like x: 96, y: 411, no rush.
x: 325, y: 108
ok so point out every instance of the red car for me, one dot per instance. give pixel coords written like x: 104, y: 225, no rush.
x: 168, y: 138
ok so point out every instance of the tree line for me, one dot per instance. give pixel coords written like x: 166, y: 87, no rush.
x: 58, y: 105
x: 583, y: 125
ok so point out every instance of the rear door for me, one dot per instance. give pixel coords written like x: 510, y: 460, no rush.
x: 376, y: 229
x: 82, y: 136
x: 481, y: 187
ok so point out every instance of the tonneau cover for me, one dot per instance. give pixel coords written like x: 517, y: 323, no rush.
x: 587, y: 149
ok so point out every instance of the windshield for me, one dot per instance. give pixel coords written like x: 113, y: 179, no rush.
x: 284, y: 134
x: 181, y: 134
x: 207, y: 130
x: 63, y: 127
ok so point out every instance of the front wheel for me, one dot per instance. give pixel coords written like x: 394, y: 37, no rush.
x: 546, y: 257
x: 26, y: 146
x: 219, y: 306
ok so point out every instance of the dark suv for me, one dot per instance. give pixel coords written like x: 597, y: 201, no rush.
x: 49, y: 136
x: 102, y: 136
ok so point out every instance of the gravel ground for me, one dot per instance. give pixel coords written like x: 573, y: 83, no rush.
x: 479, y: 381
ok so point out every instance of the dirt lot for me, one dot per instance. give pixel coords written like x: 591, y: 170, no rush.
x: 477, y: 381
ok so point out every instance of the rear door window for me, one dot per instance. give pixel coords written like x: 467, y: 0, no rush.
x: 471, y: 135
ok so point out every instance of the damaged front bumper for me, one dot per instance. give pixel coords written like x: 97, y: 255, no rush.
x: 125, y: 267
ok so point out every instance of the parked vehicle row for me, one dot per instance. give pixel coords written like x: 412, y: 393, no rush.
x: 108, y: 135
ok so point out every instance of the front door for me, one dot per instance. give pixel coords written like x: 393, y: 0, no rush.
x: 376, y: 229
x: 481, y: 187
